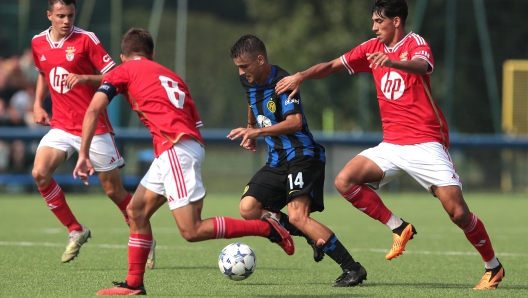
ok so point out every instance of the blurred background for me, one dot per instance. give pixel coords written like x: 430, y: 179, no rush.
x: 480, y: 80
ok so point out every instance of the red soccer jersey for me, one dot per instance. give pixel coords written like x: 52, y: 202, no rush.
x: 80, y: 53
x: 409, y: 114
x: 160, y: 98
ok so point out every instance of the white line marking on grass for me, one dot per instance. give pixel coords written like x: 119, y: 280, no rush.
x: 194, y: 247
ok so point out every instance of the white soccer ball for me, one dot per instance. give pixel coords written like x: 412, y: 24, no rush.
x: 237, y: 261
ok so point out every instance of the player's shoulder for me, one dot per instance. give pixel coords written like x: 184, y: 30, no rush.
x: 41, y: 35
x: 85, y: 35
x: 372, y: 41
x: 280, y: 72
x: 415, y: 39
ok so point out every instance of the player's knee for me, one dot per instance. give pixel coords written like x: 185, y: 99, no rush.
x: 135, y: 214
x: 343, y: 184
x: 460, y: 216
x: 190, y: 236
x: 248, y: 209
x: 298, y: 219
x: 40, y: 177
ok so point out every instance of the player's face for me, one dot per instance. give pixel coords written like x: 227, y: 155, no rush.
x: 62, y: 17
x: 384, y: 28
x: 251, y: 68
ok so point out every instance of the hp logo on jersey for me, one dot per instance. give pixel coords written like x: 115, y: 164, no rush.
x: 57, y: 76
x: 392, y: 85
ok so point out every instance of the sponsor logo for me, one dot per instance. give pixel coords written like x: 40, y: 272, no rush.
x: 106, y: 58
x: 70, y: 53
x: 292, y: 191
x: 403, y: 57
x: 263, y: 121
x: 105, y: 87
x: 170, y: 199
x: 392, y: 85
x: 112, y: 160
x: 271, y: 106
x: 42, y: 58
x: 57, y: 76
x: 245, y: 189
x: 481, y: 243
x: 291, y: 100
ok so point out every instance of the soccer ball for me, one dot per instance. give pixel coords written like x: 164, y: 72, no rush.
x: 237, y: 261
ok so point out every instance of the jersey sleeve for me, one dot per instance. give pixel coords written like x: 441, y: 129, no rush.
x: 195, y: 115
x: 118, y: 78
x: 356, y: 60
x: 420, y: 50
x: 36, y: 59
x: 98, y: 55
x: 290, y: 105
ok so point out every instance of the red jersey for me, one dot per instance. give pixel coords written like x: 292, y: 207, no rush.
x: 80, y: 52
x: 160, y: 98
x: 409, y: 114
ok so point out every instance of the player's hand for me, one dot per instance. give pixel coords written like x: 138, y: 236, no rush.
x: 74, y: 79
x: 83, y: 169
x: 288, y: 83
x: 250, y: 144
x: 379, y: 59
x: 246, y: 134
x: 41, y: 116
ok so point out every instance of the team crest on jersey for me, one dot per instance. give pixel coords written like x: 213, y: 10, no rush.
x: 70, y: 53
x: 403, y: 57
x: 263, y: 121
x: 271, y: 106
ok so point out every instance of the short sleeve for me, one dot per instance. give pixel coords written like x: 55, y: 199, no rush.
x: 356, y: 60
x: 290, y: 105
x: 98, y: 55
x: 420, y: 50
x: 36, y: 59
x: 118, y: 78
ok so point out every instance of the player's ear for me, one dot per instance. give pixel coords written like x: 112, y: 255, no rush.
x: 396, y: 21
x: 153, y: 54
x: 123, y: 58
x: 49, y: 14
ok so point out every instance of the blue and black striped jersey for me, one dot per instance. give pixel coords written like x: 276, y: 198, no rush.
x: 270, y: 108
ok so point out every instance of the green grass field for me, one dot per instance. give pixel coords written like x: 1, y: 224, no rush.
x: 439, y: 262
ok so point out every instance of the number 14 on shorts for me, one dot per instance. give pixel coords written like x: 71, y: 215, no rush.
x: 297, y: 183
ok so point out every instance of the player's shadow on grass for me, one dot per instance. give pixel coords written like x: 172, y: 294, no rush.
x: 438, y: 285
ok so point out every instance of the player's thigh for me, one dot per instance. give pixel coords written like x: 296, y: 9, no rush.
x: 54, y: 148
x: 268, y: 187
x: 430, y: 164
x: 375, y: 166
x: 306, y: 177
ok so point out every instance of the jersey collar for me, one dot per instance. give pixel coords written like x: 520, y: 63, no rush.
x: 396, y: 46
x: 58, y: 45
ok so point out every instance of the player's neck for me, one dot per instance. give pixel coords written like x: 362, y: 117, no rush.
x: 56, y: 36
x: 265, y: 75
x: 399, y: 34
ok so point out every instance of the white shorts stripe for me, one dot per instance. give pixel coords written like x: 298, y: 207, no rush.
x: 175, y: 173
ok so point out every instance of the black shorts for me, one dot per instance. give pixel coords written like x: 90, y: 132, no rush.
x: 275, y: 187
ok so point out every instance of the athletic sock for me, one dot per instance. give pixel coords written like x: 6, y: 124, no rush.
x: 368, y: 201
x: 396, y: 224
x: 335, y: 250
x: 227, y: 228
x: 56, y: 201
x: 476, y: 234
x: 138, y: 250
x: 123, y: 205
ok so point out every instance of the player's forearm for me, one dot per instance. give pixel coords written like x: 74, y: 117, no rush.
x: 88, y: 130
x: 322, y: 70
x: 416, y: 66
x: 279, y: 129
x: 41, y: 91
x: 94, y: 80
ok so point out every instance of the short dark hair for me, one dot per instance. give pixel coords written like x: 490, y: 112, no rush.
x: 391, y: 9
x: 248, y: 44
x: 51, y: 3
x: 137, y: 41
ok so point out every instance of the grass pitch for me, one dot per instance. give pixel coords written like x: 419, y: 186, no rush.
x: 439, y: 262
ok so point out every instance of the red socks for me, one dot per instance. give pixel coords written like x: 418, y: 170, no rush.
x: 54, y: 197
x: 368, y: 201
x: 138, y: 250
x: 476, y: 234
x: 226, y: 227
x: 123, y: 205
